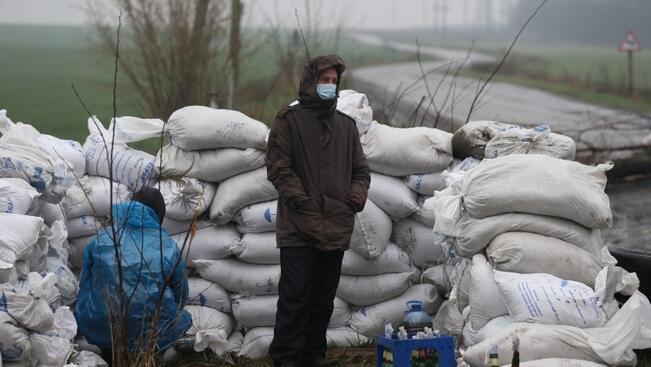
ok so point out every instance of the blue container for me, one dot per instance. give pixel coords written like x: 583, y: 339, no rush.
x: 415, y: 318
x: 401, y: 350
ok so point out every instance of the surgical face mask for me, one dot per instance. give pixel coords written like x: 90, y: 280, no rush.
x: 326, y: 91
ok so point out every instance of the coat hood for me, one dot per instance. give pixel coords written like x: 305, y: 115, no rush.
x: 307, y: 95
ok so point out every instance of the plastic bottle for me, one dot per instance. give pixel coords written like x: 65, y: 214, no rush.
x: 493, y: 356
x: 515, y: 362
x: 416, y: 319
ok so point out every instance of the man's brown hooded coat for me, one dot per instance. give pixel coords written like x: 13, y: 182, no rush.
x: 316, y: 162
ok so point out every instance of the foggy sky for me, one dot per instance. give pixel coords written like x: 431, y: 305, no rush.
x: 360, y: 14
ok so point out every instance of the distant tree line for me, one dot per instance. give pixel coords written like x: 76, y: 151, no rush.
x: 601, y: 22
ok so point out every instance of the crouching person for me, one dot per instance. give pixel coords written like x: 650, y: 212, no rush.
x: 148, y: 315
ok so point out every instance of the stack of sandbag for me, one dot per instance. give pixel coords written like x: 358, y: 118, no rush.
x: 492, y: 139
x: 528, y: 226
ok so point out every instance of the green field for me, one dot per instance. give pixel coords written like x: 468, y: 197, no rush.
x: 589, y: 73
x: 38, y: 64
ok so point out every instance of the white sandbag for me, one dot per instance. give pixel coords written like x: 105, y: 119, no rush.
x: 85, y: 225
x: 611, y: 344
x: 344, y: 337
x: 50, y: 350
x: 49, y: 212
x: 91, y: 196
x: 471, y: 235
x: 522, y: 252
x: 538, y: 184
x: 77, y: 246
x: 68, y: 150
x: 256, y: 342
x: 19, y: 235
x: 392, y: 260
x: 441, y: 276
x: 448, y: 320
x: 369, y: 321
x: 131, y: 167
x: 491, y: 139
x: 17, y: 196
x: 87, y: 358
x: 198, y: 127
x: 257, y: 218
x: 424, y: 246
x: 206, y: 293
x: 234, y: 342
x: 486, y: 302
x: 257, y: 248
x: 210, y: 165
x: 173, y: 226
x: 546, y: 299
x: 14, y: 341
x: 404, y: 151
x: 392, y: 195
x: 240, y: 277
x: 539, y: 140
x: 356, y: 106
x: 25, y: 158
x: 560, y: 362
x: 257, y: 311
x: 371, y: 289
x: 492, y: 327
x: 241, y: 191
x: 425, y: 183
x: 210, y: 328
x: 372, y: 231
x: 425, y: 214
x: 31, y: 307
x: 186, y: 197
x: 67, y: 283
x: 209, y: 243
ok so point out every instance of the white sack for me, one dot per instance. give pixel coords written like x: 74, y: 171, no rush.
x: 486, y: 302
x: 186, y: 197
x: 425, y: 213
x: 441, y: 276
x: 492, y: 327
x: 356, y: 106
x: 448, y: 320
x: 50, y: 350
x: 19, y: 235
x: 538, y: 184
x: 472, y: 235
x: 86, y: 225
x: 546, y: 299
x: 344, y: 337
x: 210, y: 328
x: 241, y: 191
x: 14, y: 341
x: 560, y: 362
x: 426, y: 183
x: 93, y: 197
x: 49, y: 212
x: 87, y: 358
x: 372, y: 231
x: 77, y: 246
x: 371, y: 289
x: 257, y: 218
x: 492, y: 138
x: 240, y: 277
x: 257, y: 311
x: 67, y: 283
x: 424, y: 246
x: 173, y: 226
x: 257, y: 248
x: 392, y: 260
x: 522, y: 252
x: 68, y: 150
x: 392, y: 195
x: 198, y: 127
x: 209, y: 243
x: 16, y: 196
x: 131, y: 167
x: 31, y: 309
x: 256, y: 342
x: 611, y: 344
x: 206, y: 293
x: 404, y: 151
x: 211, y: 165
x: 369, y: 321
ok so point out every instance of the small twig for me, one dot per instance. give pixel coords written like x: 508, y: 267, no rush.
x: 300, y: 31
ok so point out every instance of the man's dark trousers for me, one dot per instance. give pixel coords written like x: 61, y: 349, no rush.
x: 308, y: 284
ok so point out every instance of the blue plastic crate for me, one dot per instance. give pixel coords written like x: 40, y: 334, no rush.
x: 402, y: 349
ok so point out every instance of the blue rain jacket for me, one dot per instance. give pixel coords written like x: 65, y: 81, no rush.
x: 140, y: 235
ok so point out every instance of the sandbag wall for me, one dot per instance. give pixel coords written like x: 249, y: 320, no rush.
x: 37, y: 287
x: 535, y: 267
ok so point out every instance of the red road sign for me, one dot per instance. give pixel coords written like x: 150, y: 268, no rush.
x: 630, y: 43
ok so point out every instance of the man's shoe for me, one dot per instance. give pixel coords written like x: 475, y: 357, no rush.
x: 319, y: 361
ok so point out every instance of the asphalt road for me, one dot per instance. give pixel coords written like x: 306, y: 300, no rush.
x: 591, y: 126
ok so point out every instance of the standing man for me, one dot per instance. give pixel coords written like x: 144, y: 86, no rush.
x: 315, y: 160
